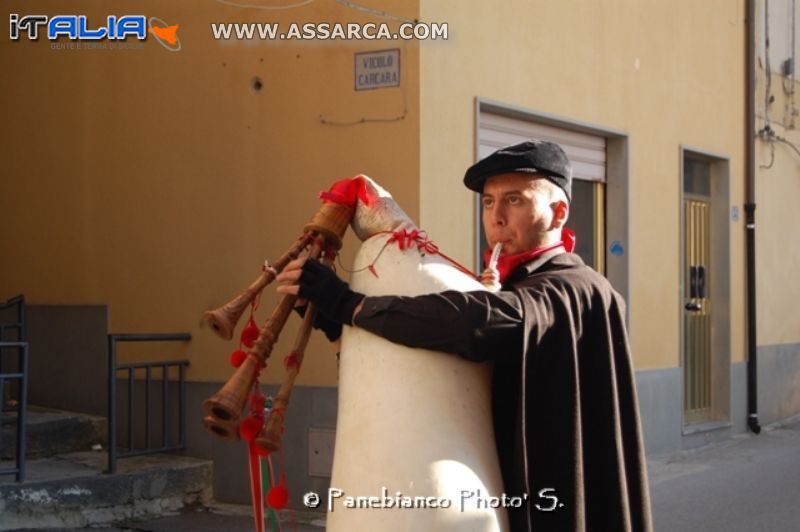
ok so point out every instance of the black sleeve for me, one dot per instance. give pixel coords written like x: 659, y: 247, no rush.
x: 332, y: 329
x: 477, y: 325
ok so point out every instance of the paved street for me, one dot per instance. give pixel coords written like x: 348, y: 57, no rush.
x: 751, y: 483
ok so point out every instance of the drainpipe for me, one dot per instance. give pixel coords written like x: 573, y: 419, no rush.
x: 750, y: 216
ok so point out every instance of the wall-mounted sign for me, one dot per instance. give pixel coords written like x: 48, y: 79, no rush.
x: 377, y: 70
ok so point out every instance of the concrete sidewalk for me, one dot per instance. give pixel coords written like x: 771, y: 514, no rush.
x: 214, y: 517
x: 225, y: 517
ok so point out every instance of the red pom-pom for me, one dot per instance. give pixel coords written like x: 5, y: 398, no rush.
x: 250, y: 427
x: 250, y: 333
x: 278, y: 497
x: 237, y: 357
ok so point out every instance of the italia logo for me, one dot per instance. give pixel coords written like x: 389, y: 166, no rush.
x: 77, y: 28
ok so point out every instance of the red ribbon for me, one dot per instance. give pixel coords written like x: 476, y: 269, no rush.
x: 508, y: 263
x: 569, y: 239
x: 348, y: 192
x: 254, y: 463
x: 407, y: 239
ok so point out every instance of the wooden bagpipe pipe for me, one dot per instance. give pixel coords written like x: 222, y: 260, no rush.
x: 322, y: 238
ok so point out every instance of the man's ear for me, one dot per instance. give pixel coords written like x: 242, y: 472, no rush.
x: 560, y: 214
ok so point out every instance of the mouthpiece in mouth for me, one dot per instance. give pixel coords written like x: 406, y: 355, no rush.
x: 495, y: 255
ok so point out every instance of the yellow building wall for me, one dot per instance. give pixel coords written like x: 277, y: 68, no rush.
x: 666, y: 73
x: 157, y: 183
x: 777, y: 193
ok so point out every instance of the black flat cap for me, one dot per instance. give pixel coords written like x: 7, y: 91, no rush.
x: 532, y: 156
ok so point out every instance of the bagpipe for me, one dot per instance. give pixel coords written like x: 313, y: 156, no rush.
x: 321, y: 239
x: 435, y: 443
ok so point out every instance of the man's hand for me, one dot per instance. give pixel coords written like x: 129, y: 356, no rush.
x: 289, y: 276
x: 308, y: 279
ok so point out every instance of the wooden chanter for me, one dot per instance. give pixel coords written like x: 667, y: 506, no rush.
x: 323, y: 236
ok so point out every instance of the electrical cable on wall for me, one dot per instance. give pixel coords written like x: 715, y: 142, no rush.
x: 767, y: 133
x: 329, y: 122
x: 371, y: 11
x: 266, y: 7
x: 364, y: 120
x: 345, y: 3
x: 788, y: 143
x: 789, y: 71
x: 768, y: 92
x: 771, y: 157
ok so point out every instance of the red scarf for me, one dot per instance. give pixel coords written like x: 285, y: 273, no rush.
x: 508, y: 263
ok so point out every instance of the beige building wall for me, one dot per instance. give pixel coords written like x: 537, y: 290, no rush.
x: 777, y: 241
x: 777, y: 180
x: 669, y: 74
x: 157, y: 183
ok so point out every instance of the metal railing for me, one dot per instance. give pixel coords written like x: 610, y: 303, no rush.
x: 22, y: 406
x: 18, y: 325
x: 148, y: 367
x: 21, y: 375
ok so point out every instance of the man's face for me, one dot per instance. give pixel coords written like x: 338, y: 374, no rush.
x: 515, y: 212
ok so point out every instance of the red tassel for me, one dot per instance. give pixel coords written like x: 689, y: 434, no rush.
x: 255, y: 487
x: 250, y: 427
x: 278, y: 496
x: 237, y: 357
x: 250, y: 333
x: 371, y: 269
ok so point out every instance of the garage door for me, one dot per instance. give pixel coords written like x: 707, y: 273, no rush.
x: 586, y: 152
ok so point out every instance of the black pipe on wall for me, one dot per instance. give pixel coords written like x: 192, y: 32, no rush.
x: 750, y: 217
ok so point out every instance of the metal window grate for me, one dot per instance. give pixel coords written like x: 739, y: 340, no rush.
x: 697, y: 332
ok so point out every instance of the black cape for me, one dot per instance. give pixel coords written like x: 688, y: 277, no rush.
x: 564, y: 399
